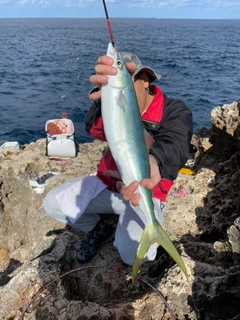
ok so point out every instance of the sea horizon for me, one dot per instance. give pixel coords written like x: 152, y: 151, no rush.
x: 46, y: 64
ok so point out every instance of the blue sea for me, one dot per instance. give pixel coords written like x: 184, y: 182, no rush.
x: 45, y: 65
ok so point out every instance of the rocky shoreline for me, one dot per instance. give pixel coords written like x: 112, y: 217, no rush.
x: 204, y: 226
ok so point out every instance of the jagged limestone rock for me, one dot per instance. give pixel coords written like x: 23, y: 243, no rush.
x: 204, y: 226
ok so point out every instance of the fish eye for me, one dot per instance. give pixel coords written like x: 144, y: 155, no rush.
x: 120, y: 63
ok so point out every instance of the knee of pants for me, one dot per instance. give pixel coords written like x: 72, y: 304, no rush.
x: 127, y: 257
x: 128, y: 253
x: 126, y: 250
x: 46, y: 203
x: 50, y: 205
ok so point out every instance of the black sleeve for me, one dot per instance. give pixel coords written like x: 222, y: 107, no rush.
x: 93, y: 113
x: 173, y: 137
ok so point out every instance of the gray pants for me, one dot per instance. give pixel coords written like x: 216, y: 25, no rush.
x: 130, y: 224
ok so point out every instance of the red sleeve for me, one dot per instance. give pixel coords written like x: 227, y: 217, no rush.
x: 97, y: 131
x: 93, y: 121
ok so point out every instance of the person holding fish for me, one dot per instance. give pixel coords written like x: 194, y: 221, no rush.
x: 123, y: 184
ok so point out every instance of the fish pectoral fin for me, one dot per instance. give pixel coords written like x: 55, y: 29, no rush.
x: 155, y: 233
x: 121, y: 101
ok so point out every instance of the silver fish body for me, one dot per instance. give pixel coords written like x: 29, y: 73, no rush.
x: 125, y: 135
x: 122, y: 123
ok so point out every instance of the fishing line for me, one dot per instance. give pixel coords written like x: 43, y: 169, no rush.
x: 64, y: 95
x: 79, y: 269
x: 108, y: 23
x: 75, y: 103
x: 113, y: 43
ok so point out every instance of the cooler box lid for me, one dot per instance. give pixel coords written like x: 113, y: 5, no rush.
x: 57, y: 127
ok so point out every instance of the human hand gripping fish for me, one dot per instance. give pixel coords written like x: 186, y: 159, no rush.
x: 129, y: 192
x: 125, y: 135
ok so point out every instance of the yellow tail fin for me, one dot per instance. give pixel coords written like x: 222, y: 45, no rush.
x: 154, y: 233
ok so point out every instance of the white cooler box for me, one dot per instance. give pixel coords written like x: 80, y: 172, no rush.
x: 60, y: 144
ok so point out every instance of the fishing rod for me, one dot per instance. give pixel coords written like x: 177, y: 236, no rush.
x: 108, y: 23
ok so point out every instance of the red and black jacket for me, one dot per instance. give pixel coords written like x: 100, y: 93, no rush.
x: 169, y: 121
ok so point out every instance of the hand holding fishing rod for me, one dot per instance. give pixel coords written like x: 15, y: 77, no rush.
x: 104, y: 67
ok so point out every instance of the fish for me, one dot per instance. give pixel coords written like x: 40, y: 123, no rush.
x: 125, y: 135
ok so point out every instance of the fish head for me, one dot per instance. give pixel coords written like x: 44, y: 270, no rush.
x: 123, y: 77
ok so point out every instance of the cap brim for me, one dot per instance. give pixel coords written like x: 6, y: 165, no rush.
x: 152, y: 74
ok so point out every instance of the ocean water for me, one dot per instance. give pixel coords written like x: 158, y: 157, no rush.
x: 45, y: 65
